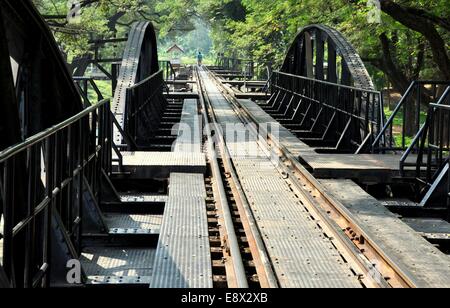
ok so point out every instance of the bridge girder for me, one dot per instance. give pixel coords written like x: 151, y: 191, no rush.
x: 140, y: 62
x: 323, y: 53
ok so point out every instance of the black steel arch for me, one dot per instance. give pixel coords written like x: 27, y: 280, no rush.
x: 140, y: 61
x: 326, y: 91
x: 45, y: 92
x: 323, y: 53
x: 37, y: 93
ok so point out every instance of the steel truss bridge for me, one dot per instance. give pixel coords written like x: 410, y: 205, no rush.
x: 301, y: 180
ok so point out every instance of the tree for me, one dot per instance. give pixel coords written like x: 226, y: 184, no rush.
x: 425, y: 23
x: 408, y: 44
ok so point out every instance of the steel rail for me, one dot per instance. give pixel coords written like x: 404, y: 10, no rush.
x: 359, y: 245
x: 262, y: 261
x: 232, y: 241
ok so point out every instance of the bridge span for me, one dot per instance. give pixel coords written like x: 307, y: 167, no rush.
x: 206, y: 177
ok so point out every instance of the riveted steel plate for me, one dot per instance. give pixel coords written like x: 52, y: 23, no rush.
x: 118, y: 262
x: 118, y: 280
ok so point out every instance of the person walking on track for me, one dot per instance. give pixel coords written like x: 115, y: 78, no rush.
x: 199, y: 58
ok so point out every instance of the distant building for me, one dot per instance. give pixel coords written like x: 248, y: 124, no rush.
x: 175, y: 52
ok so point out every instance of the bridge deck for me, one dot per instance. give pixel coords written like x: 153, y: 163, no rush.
x: 130, y: 266
x: 430, y: 266
x: 181, y: 95
x: 430, y: 228
x: 253, y: 95
x: 147, y: 165
x: 283, y: 135
x: 189, y: 132
x: 302, y: 256
x: 251, y: 83
x: 365, y: 167
x: 183, y: 257
x: 122, y: 265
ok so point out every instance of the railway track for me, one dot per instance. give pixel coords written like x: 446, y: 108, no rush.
x: 368, y: 262
x: 223, y: 184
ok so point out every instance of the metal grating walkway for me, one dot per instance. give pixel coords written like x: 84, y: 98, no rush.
x: 301, y: 254
x: 118, y: 266
x: 148, y: 165
x: 189, y: 131
x: 183, y: 258
x: 127, y: 221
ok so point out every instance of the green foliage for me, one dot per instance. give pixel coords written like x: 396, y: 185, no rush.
x: 105, y: 88
x: 258, y: 29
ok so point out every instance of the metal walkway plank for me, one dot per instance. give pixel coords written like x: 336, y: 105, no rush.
x: 118, y: 265
x: 183, y: 257
x: 148, y: 165
x: 189, y: 131
x: 429, y: 265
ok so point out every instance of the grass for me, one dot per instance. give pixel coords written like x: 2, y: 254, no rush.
x: 397, y: 126
x: 398, y: 120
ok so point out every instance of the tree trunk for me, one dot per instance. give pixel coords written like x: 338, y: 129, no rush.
x: 420, y: 24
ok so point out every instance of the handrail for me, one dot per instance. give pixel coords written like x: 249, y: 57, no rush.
x: 54, y: 165
x: 328, y: 83
x: 139, y: 97
x: 168, y: 69
x: 401, y: 104
x: 145, y: 80
x: 354, y: 103
x: 15, y: 149
x: 93, y: 84
x: 394, y: 113
x: 434, y: 147
x: 424, y: 127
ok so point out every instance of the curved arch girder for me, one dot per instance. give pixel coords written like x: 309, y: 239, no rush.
x: 323, y: 53
x: 140, y: 60
x: 45, y: 92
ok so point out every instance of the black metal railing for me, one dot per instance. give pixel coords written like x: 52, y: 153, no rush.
x: 169, y: 72
x: 244, y: 66
x: 435, y: 148
x: 406, y: 120
x: 88, y: 88
x: 345, y: 117
x: 86, y: 83
x: 429, y: 140
x: 42, y: 183
x: 433, y: 141
x: 144, y: 108
x: 448, y: 189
